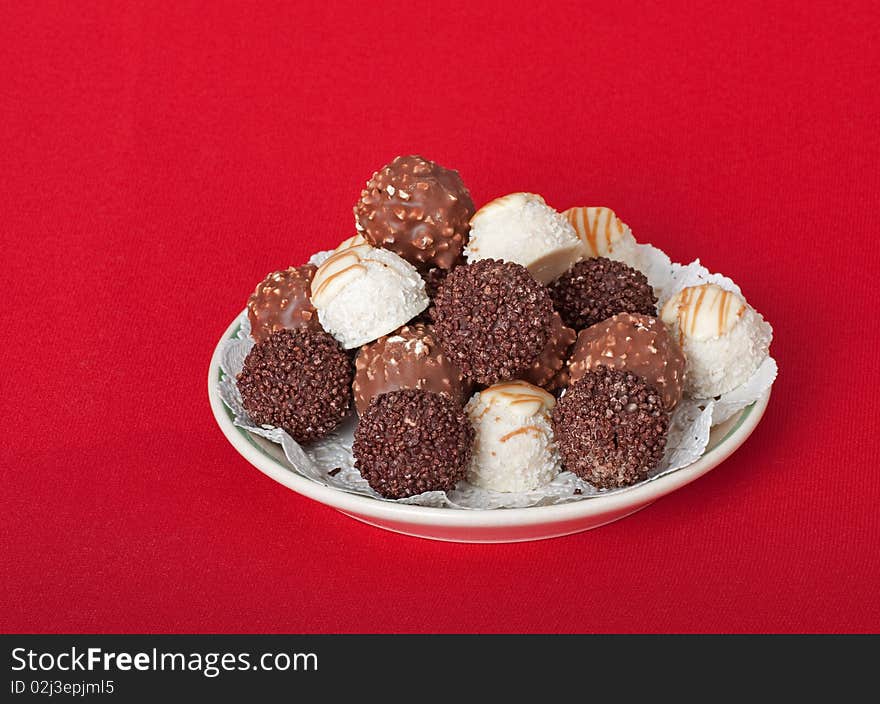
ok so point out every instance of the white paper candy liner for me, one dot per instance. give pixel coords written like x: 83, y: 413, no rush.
x: 731, y: 403
x: 656, y: 266
x: 319, y: 258
x: 330, y: 462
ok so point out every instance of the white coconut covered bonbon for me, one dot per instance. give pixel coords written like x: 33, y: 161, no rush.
x: 724, y: 339
x: 522, y: 228
x: 513, y: 449
x: 603, y: 234
x: 362, y: 292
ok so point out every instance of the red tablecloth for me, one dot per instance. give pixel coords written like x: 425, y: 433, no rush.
x: 159, y: 159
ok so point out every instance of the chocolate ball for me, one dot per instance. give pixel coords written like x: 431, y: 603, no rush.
x: 409, y: 358
x: 282, y: 301
x: 418, y: 210
x: 432, y: 277
x: 492, y: 319
x: 298, y: 380
x: 411, y: 441
x: 595, y: 289
x: 635, y: 343
x: 610, y: 428
x: 549, y: 370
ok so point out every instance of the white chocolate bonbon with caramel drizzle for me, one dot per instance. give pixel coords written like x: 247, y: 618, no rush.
x: 703, y: 312
x: 514, y: 448
x: 362, y: 293
x: 600, y: 230
x: 340, y: 269
x: 522, y: 228
x: 723, y: 338
x: 520, y: 397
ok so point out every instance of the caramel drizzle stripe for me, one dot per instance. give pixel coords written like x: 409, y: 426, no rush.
x: 608, y: 232
x: 688, y: 316
x: 682, y: 314
x: 326, y: 282
x: 576, y: 218
x: 593, y: 230
x: 696, y: 309
x: 722, y: 314
x: 502, y: 387
x: 520, y: 431
x: 509, y: 384
x: 539, y: 396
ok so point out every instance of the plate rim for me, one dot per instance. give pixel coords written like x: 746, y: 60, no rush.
x: 640, y: 494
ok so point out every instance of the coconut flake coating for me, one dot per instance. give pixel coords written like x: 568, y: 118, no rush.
x: 411, y: 441
x: 492, y: 319
x: 514, y: 449
x: 595, y: 289
x: 298, y: 380
x: 610, y: 428
x: 417, y: 209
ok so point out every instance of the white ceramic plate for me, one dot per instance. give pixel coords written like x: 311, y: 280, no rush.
x: 502, y: 525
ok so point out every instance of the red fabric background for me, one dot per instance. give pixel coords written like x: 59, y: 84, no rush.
x: 159, y: 159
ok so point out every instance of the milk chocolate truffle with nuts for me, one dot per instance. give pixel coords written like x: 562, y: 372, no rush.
x: 410, y: 358
x: 282, y: 301
x: 297, y: 380
x: 417, y: 209
x: 549, y: 371
x: 610, y: 428
x: 492, y: 319
x: 635, y: 343
x: 411, y: 441
x: 595, y: 289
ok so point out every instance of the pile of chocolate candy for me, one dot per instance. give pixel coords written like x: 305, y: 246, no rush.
x: 499, y: 346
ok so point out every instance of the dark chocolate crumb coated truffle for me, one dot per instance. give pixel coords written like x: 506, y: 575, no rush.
x: 610, y: 428
x: 492, y: 319
x: 597, y: 288
x: 433, y: 277
x: 411, y: 441
x: 418, y: 210
x: 298, y: 380
x: 282, y: 300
